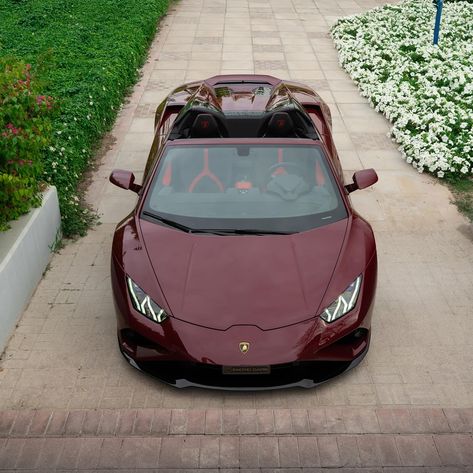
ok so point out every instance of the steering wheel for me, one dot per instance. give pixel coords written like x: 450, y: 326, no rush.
x: 285, y: 164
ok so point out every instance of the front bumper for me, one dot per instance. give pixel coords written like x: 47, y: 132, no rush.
x: 183, y: 354
x: 302, y: 374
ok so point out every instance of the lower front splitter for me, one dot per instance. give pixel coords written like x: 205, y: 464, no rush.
x: 305, y: 374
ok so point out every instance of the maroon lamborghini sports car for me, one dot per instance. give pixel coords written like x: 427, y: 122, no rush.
x: 244, y: 264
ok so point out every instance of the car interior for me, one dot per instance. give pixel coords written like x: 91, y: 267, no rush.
x: 245, y: 180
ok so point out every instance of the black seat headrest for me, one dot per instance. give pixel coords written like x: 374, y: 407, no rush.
x: 280, y: 125
x: 205, y: 126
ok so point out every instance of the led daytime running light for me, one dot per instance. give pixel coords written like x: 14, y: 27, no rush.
x: 144, y: 304
x: 344, y: 302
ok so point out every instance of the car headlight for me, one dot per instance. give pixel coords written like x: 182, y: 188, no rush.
x: 343, y: 303
x: 144, y: 304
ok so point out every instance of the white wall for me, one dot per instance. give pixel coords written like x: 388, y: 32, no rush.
x: 25, y: 251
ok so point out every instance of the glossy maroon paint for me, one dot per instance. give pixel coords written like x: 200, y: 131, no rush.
x: 365, y: 178
x: 266, y: 290
x: 124, y: 179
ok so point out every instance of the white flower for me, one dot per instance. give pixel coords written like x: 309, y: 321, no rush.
x: 424, y: 90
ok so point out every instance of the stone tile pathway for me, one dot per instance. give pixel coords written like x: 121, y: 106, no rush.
x: 63, y: 359
x: 225, y: 439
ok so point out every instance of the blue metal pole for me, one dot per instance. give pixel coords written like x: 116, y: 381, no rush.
x: 437, y: 21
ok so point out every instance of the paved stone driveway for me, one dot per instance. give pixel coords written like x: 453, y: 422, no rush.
x: 64, y: 355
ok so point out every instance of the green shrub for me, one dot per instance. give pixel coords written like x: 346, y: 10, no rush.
x: 25, y: 132
x: 88, y: 52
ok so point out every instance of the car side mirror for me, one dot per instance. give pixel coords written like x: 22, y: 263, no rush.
x: 124, y: 179
x: 362, y: 180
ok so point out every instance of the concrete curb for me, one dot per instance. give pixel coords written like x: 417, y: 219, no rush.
x: 25, y: 251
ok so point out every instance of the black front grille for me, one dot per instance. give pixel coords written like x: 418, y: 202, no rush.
x: 212, y: 375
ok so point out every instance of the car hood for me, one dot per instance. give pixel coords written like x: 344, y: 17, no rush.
x: 268, y: 281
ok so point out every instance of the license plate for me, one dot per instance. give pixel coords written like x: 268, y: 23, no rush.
x: 246, y: 369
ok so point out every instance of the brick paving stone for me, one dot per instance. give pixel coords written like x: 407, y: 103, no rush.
x: 300, y: 421
x: 178, y: 421
x: 213, y: 421
x: 436, y: 419
x: 50, y: 453
x: 57, y: 423
x: 396, y: 420
x: 7, y: 419
x: 283, y: 421
x: 229, y: 452
x: 308, y: 452
x: 144, y: 421
x: 190, y: 452
x: 335, y: 421
x: 148, y: 449
x: 268, y: 452
x: 138, y: 452
x: 161, y: 421
x: 415, y: 450
x: 170, y: 453
x: 288, y: 452
x: 265, y: 421
x: 328, y: 452
x: 29, y: 454
x: 362, y: 420
x: 39, y: 422
x: 378, y: 450
x: 21, y: 424
x: 195, y: 421
x: 317, y: 421
x: 10, y: 452
x: 209, y: 452
x: 248, y: 452
x: 108, y: 422
x: 91, y: 422
x: 74, y: 422
x: 126, y: 421
x: 110, y: 453
x: 348, y: 451
x: 248, y: 423
x: 231, y: 423
x: 89, y: 453
x: 70, y: 453
x: 459, y: 420
x: 455, y: 449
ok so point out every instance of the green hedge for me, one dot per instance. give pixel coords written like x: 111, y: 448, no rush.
x: 87, y: 52
x: 25, y: 132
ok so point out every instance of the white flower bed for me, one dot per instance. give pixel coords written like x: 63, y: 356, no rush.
x: 426, y: 91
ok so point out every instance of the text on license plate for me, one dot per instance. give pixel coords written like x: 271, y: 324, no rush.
x: 246, y: 369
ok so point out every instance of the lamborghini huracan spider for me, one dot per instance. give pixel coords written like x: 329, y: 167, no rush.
x: 243, y: 264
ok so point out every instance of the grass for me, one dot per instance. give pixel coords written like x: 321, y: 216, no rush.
x: 87, y: 53
x: 462, y: 190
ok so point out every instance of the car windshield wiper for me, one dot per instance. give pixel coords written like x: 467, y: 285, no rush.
x: 166, y: 221
x: 183, y: 227
x: 215, y: 231
x: 246, y: 231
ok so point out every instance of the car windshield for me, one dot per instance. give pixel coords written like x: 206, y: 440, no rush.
x: 261, y: 188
